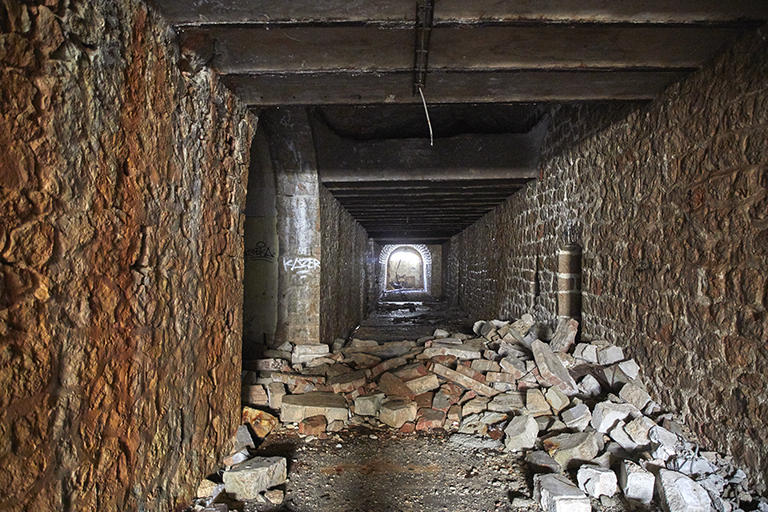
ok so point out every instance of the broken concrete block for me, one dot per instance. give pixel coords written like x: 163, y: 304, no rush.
x: 541, y: 462
x: 571, y: 450
x: 512, y: 401
x: 536, y: 404
x: 392, y: 386
x: 577, y: 417
x: 463, y: 380
x: 423, y: 384
x: 514, y: 366
x: 246, y: 480
x: 430, y: 419
x: 565, y: 335
x: 551, y: 369
x: 678, y: 493
x: 597, y: 481
x: 521, y: 433
x: 262, y: 423
x: 609, y: 355
x: 313, y: 426
x: 606, y: 414
x: 586, y: 352
x: 636, y: 483
x: 303, y: 354
x: 555, y: 493
x: 634, y: 395
x: 396, y: 411
x: 556, y: 399
x: 297, y: 407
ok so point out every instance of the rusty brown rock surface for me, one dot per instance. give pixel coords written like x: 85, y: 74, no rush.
x: 669, y: 202
x: 121, y: 187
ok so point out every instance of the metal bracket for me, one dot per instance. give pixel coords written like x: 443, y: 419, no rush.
x: 424, y: 16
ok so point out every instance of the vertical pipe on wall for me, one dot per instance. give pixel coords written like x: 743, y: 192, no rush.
x: 569, y: 281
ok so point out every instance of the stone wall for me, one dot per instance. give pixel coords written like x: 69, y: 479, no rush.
x: 669, y: 202
x: 344, y: 278
x: 122, y: 181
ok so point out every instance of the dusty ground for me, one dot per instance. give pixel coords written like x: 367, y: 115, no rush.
x: 378, y: 470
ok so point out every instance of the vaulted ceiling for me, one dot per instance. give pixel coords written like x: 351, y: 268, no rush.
x: 488, y: 69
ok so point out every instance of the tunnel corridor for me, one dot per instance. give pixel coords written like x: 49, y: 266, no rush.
x: 210, y: 206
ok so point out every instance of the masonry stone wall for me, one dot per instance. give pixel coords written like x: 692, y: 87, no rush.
x: 122, y: 181
x: 344, y: 278
x: 669, y: 202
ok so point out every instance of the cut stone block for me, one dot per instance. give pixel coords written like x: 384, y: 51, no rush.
x: 678, y: 493
x: 261, y: 422
x: 297, y: 407
x: 636, y: 483
x: 368, y: 405
x: 571, y: 450
x: 609, y: 355
x: 305, y: 353
x: 586, y: 351
x: 463, y: 380
x: 242, y: 439
x: 512, y: 401
x: 536, y: 404
x: 362, y: 360
x: 254, y: 394
x: 634, y: 395
x: 620, y: 435
x: 475, y: 406
x: 348, y: 382
x: 423, y: 384
x: 440, y: 333
x: 276, y: 392
x: 500, y: 377
x: 565, y: 335
x: 387, y: 365
x: 484, y: 365
x: 390, y: 349
x: 577, y: 417
x: 513, y: 366
x: 557, y: 399
x: 469, y: 372
x: 590, y: 386
x: 397, y: 411
x: 521, y: 433
x: 236, y: 457
x: 541, y: 462
x: 606, y: 414
x: 555, y: 493
x: 246, y: 480
x: 410, y: 372
x: 638, y: 430
x: 457, y: 351
x: 630, y: 368
x: 392, y: 386
x: 551, y: 369
x: 313, y: 426
x: 430, y: 419
x: 597, y: 481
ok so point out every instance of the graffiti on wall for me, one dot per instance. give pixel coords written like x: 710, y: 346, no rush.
x: 261, y: 252
x: 301, y: 265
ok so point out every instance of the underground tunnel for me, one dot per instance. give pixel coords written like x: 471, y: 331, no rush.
x: 403, y: 255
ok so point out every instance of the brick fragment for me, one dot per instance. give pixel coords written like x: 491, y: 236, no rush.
x: 392, y: 386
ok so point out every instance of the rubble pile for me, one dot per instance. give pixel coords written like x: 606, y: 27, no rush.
x: 578, y: 411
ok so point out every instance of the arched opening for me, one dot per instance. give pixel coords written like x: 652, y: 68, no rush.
x: 405, y: 270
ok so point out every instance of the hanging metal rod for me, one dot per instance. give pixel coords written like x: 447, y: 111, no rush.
x: 424, y: 16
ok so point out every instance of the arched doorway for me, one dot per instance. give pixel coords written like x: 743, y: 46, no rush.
x: 406, y: 267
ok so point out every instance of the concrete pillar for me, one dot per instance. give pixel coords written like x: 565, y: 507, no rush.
x: 569, y: 282
x: 298, y: 224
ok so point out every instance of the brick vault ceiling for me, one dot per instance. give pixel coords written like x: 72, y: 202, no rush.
x: 490, y: 69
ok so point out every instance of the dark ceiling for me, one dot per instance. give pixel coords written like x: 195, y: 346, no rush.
x: 490, y: 70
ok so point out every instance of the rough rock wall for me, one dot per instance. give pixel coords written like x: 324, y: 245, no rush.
x: 670, y: 205
x: 121, y: 186
x: 344, y: 279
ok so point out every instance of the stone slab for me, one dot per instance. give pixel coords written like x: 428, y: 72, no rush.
x: 463, y: 380
x: 551, y: 368
x: 555, y: 493
x: 297, y: 407
x: 246, y: 480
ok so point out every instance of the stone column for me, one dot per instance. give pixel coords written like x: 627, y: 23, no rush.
x: 298, y: 224
x: 569, y: 282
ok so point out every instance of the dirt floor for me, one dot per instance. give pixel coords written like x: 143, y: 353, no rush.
x: 378, y: 470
